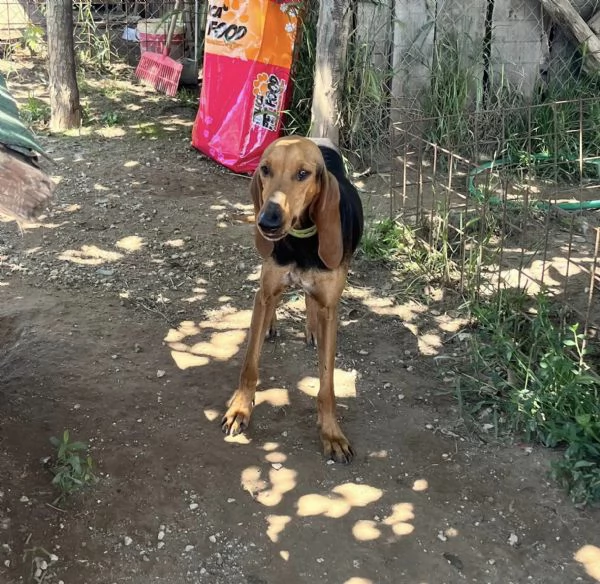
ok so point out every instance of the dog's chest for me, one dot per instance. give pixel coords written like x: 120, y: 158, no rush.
x: 300, y: 278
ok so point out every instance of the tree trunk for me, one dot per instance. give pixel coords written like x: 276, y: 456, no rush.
x: 333, y: 31
x: 65, y: 112
x: 562, y: 12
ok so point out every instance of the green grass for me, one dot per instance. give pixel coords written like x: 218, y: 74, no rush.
x: 534, y: 372
x: 72, y: 469
x: 414, y: 258
x: 297, y: 118
x: 35, y: 112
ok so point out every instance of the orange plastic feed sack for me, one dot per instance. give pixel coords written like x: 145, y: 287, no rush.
x: 249, y: 46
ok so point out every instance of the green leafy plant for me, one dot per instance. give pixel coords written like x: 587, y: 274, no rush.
x: 35, y: 111
x: 33, y: 38
x: 111, y: 118
x: 72, y: 469
x: 536, y: 372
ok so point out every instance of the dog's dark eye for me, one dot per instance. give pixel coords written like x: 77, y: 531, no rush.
x: 302, y: 175
x: 264, y: 170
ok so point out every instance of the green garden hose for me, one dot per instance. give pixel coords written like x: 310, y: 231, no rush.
x: 478, y: 195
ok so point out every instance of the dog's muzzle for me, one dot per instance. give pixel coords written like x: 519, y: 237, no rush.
x: 271, y: 221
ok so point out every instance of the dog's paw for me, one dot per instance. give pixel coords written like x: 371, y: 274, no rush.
x: 311, y: 336
x: 336, y: 447
x: 237, y: 416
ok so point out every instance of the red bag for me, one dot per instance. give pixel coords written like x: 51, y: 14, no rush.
x: 249, y: 45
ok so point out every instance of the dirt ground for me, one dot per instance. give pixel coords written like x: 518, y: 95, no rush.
x: 123, y: 318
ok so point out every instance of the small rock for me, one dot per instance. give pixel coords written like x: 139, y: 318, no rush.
x: 127, y: 540
x: 453, y: 560
x: 160, y: 373
x: 189, y: 548
x: 105, y: 272
x: 193, y: 506
x: 513, y: 539
x: 277, y: 465
x: 161, y: 535
x: 7, y: 563
x: 24, y: 499
x: 212, y: 539
x: 231, y: 500
x: 160, y: 545
x: 441, y: 536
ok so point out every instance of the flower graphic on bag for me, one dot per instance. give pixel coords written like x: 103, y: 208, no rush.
x: 261, y: 84
x: 268, y: 91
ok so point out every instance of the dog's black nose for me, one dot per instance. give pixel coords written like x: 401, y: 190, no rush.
x: 271, y: 218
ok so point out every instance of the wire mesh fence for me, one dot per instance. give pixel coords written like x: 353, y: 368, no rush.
x: 519, y: 210
x: 110, y: 30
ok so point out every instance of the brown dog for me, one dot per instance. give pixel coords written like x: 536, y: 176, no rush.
x: 309, y: 222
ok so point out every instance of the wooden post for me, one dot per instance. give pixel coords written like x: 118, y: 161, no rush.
x: 65, y: 111
x: 333, y: 31
x: 562, y: 12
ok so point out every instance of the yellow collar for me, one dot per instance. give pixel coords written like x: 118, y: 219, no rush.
x: 303, y: 233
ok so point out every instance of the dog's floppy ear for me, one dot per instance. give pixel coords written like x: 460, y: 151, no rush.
x: 264, y: 247
x: 325, y: 212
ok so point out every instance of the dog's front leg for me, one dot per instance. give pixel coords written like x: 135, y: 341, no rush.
x: 237, y: 417
x: 326, y: 297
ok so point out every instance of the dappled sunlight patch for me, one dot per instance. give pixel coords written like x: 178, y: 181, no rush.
x: 210, y: 414
x: 358, y: 495
x: 270, y: 446
x: 429, y: 343
x: 401, y: 514
x: 402, y: 528
x: 314, y: 504
x: 285, y: 555
x: 378, y: 454
x: 227, y: 317
x: 276, y: 457
x: 110, y: 132
x: 251, y: 480
x: 358, y: 580
x: 199, y: 295
x: 344, y: 383
x: 339, y: 502
x: 275, y: 397
x: 222, y: 345
x: 130, y: 243
x: 420, y: 485
x: 131, y: 163
x: 230, y: 328
x: 254, y: 276
x: 276, y: 526
x: 365, y: 530
x: 89, y: 255
x: 187, y: 328
x: 175, y: 243
x: 238, y: 439
x: 282, y: 481
x: 185, y: 360
x: 589, y: 557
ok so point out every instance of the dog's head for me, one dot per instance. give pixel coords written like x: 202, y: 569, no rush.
x: 291, y: 180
